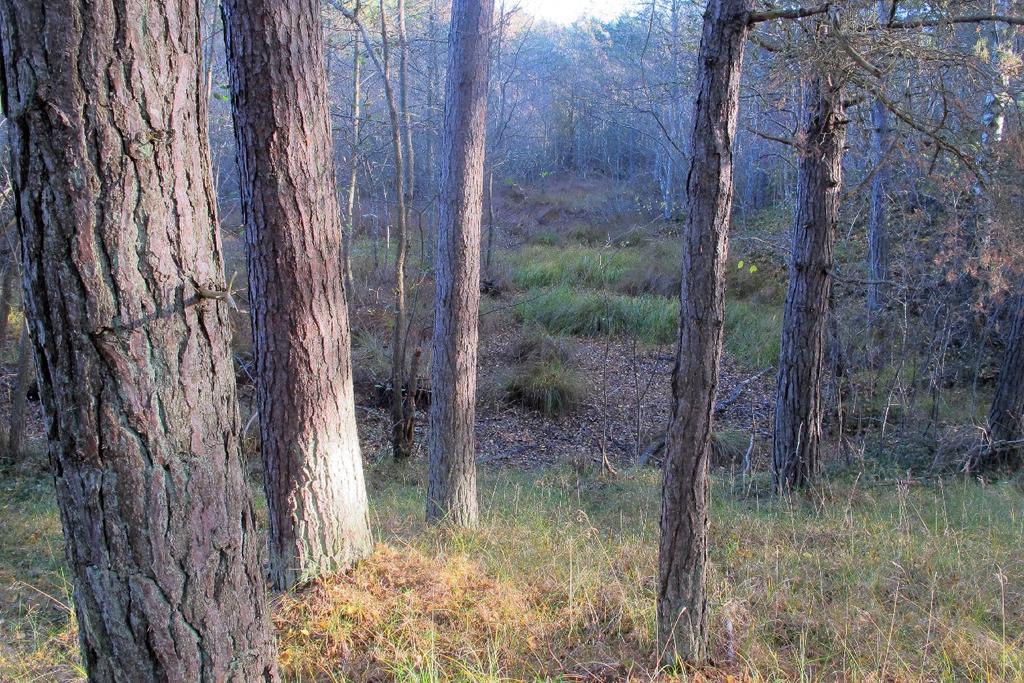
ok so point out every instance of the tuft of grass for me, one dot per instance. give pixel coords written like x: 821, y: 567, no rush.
x: 545, y: 238
x: 728, y: 446
x: 371, y: 357
x: 542, y: 266
x: 546, y: 385
x: 537, y: 344
x: 589, y: 313
x: 546, y: 377
x: 753, y: 332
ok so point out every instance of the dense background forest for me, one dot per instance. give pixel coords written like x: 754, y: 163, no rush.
x: 695, y: 331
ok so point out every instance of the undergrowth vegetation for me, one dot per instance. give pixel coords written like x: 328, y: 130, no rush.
x: 546, y: 376
x: 592, y: 313
x: 632, y: 291
x: 859, y: 580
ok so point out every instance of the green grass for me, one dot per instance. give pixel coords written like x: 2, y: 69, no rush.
x: 591, y: 313
x: 542, y: 266
x: 753, y: 332
x: 857, y: 581
x: 546, y: 385
x: 590, y: 292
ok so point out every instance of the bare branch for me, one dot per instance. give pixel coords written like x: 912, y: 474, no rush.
x: 924, y: 22
x: 780, y: 13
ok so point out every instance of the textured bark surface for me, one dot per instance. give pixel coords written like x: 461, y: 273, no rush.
x: 1006, y: 418
x: 316, y: 495
x: 451, y: 494
x: 118, y: 224
x: 796, y: 444
x: 683, y: 550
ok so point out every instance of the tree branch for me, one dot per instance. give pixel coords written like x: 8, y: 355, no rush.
x: 780, y: 13
x: 939, y: 21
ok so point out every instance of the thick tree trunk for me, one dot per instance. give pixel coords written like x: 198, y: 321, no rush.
x: 796, y: 457
x: 313, y: 468
x: 122, y: 273
x: 19, y: 397
x: 682, y: 561
x: 451, y: 495
x: 1006, y: 418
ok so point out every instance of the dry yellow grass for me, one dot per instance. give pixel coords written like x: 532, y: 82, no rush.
x: 856, y: 582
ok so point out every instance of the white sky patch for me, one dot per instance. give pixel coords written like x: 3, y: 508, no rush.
x: 568, y: 11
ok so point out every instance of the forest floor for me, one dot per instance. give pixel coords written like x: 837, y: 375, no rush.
x: 856, y: 581
x: 884, y: 573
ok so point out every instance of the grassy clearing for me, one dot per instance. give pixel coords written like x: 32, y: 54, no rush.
x: 852, y: 582
x: 542, y: 266
x: 591, y: 313
x: 590, y: 292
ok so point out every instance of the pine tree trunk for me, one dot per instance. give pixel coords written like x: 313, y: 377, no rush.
x: 451, y: 495
x: 19, y: 397
x: 1006, y: 418
x: 683, y: 550
x: 122, y: 264
x: 316, y: 495
x: 796, y: 445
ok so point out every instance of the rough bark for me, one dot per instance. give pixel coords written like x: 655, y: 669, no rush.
x: 19, y: 397
x: 682, y: 561
x: 796, y: 444
x: 316, y: 496
x: 121, y: 257
x: 451, y: 494
x: 1006, y: 418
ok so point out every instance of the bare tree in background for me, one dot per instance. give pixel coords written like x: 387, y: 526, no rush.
x: 109, y: 148
x: 451, y: 496
x: 400, y: 442
x: 19, y: 397
x: 353, y: 159
x: 316, y: 495
x: 683, y: 549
